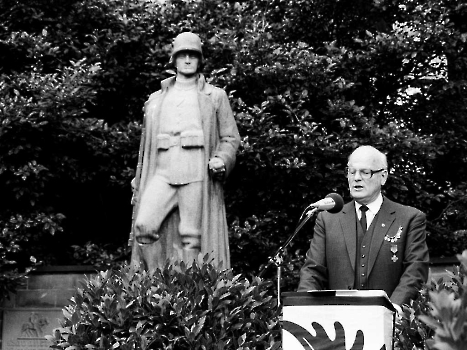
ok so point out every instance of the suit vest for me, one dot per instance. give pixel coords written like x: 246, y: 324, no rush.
x: 361, y: 257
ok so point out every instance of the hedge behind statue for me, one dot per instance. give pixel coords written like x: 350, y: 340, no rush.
x: 178, y: 307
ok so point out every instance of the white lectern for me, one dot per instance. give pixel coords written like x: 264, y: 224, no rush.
x: 337, y: 320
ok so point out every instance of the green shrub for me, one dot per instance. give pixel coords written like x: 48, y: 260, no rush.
x: 177, y: 307
x: 201, y: 307
x: 410, y: 332
x: 437, y: 319
x: 448, y: 311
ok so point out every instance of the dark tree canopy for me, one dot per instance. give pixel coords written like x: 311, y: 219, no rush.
x: 308, y: 81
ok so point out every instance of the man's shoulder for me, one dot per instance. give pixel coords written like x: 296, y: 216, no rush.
x: 401, y: 209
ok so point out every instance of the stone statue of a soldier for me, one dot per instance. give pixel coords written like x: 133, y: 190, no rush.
x: 188, y: 148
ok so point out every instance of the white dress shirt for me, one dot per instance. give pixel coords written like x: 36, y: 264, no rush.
x: 373, y: 209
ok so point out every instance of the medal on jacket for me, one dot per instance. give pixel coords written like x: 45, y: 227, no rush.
x: 394, y: 252
x: 395, y: 238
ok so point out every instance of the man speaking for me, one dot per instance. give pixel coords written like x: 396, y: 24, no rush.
x: 373, y: 243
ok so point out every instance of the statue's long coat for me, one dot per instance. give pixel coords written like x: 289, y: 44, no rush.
x: 221, y: 139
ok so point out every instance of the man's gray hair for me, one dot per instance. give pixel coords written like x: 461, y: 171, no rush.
x: 381, y: 157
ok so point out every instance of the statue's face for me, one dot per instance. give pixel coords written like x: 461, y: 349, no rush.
x: 187, y: 63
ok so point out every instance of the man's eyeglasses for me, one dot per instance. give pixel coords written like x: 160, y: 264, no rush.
x: 364, y: 173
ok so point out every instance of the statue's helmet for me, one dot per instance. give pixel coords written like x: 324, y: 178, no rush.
x: 187, y: 41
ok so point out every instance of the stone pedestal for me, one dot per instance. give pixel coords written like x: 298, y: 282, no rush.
x: 36, y: 308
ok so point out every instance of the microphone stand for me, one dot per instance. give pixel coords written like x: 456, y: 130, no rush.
x: 277, y: 258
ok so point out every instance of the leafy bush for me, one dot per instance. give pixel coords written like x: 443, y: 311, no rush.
x: 182, y: 307
x: 448, y: 313
x: 437, y: 320
x: 18, y: 232
x: 177, y: 307
x: 102, y: 256
x: 410, y: 332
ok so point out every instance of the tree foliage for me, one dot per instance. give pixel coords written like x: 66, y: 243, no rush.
x: 308, y: 82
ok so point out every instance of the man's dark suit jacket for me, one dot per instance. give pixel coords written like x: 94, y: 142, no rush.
x: 330, y: 261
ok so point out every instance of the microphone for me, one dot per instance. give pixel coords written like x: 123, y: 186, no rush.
x: 333, y: 203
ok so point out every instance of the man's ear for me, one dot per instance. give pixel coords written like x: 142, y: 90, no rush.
x: 384, y: 177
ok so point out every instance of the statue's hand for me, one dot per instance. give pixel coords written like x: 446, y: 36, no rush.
x: 217, y: 168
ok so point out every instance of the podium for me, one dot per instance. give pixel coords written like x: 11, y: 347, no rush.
x: 337, y: 320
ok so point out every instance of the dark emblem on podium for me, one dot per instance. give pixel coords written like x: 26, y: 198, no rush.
x: 322, y: 340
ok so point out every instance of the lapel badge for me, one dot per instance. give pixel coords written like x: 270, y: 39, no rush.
x: 395, y: 238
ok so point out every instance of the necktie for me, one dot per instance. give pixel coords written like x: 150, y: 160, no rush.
x: 363, y: 209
